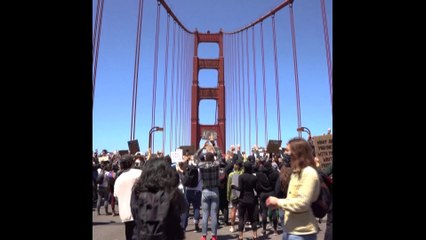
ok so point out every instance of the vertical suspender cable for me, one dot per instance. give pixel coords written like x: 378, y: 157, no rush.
x: 227, y: 93
x: 136, y: 72
x: 95, y: 27
x: 265, y: 111
x: 255, y: 87
x: 244, y: 90
x: 172, y: 79
x: 154, y: 84
x: 191, y: 69
x: 96, y: 43
x: 185, y: 93
x: 177, y: 87
x: 239, y: 90
x: 188, y: 89
x: 277, y: 88
x: 182, y: 67
x: 235, y: 88
x: 327, y: 51
x: 166, y: 64
x: 248, y: 85
x: 182, y: 91
x: 230, y: 90
x: 296, y: 76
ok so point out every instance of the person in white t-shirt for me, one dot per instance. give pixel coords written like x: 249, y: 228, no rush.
x: 123, y: 186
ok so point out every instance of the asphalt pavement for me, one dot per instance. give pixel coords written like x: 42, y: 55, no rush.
x: 109, y: 227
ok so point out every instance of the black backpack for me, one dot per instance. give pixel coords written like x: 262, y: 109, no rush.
x: 190, y: 177
x: 321, y: 206
x: 150, y: 212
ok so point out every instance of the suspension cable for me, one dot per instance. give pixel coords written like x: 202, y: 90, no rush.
x: 296, y: 75
x: 182, y: 69
x: 277, y: 91
x: 265, y: 111
x: 273, y: 11
x: 239, y: 92
x: 248, y: 85
x: 184, y: 93
x: 154, y: 84
x: 172, y: 79
x: 183, y: 90
x: 228, y: 95
x: 189, y: 82
x: 177, y: 87
x: 244, y: 90
x: 136, y: 72
x: 96, y: 43
x: 166, y: 64
x: 95, y: 33
x: 236, y: 119
x: 229, y: 80
x: 169, y: 11
x: 255, y: 87
x: 327, y: 51
x: 179, y: 109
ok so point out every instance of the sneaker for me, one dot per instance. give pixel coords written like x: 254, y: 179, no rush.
x: 231, y: 229
x: 213, y: 238
x: 203, y: 238
x: 197, y: 228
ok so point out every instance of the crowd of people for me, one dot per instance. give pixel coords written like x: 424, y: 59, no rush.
x: 153, y: 193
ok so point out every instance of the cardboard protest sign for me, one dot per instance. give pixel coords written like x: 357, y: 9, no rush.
x: 273, y: 146
x: 133, y: 146
x: 324, y: 149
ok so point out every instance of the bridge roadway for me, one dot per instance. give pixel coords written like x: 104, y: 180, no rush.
x: 110, y: 228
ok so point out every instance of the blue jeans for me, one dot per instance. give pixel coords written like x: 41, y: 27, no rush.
x: 183, y: 217
x: 194, y: 197
x: 281, y: 214
x: 300, y: 237
x: 329, y: 227
x: 210, y: 204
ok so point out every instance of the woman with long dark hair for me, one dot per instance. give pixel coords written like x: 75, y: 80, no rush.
x: 303, y: 189
x: 157, y: 203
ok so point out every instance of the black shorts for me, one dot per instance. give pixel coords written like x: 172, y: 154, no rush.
x: 234, y: 202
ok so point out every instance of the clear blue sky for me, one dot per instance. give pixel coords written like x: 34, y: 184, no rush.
x: 115, y: 69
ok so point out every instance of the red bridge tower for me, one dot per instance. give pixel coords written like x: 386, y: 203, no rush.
x: 218, y: 94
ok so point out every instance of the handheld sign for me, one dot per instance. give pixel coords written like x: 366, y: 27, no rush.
x: 133, y: 146
x: 273, y: 146
x: 324, y: 149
